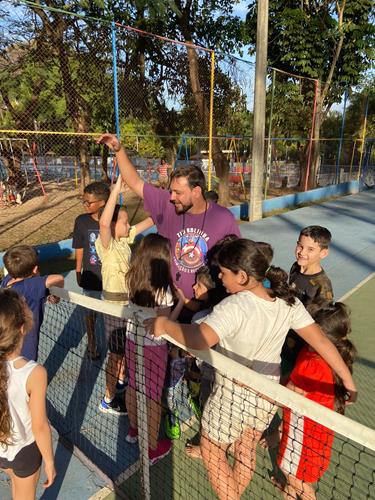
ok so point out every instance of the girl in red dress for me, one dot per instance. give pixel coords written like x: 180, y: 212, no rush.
x: 305, y: 448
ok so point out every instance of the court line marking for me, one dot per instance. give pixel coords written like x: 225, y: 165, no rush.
x: 124, y: 476
x: 357, y: 287
x: 101, y: 494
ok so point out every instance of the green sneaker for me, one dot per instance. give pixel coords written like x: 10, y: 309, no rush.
x: 195, y: 407
x: 172, y: 425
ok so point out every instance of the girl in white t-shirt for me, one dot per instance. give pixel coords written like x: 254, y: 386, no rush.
x: 249, y: 326
x: 151, y: 287
x: 25, y: 434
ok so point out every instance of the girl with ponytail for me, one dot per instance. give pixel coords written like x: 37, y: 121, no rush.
x: 249, y: 326
x: 313, y: 378
x: 25, y: 434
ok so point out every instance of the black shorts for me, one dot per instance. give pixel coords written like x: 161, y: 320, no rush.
x: 115, y: 334
x: 25, y: 463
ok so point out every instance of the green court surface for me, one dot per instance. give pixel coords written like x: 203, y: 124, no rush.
x: 179, y: 477
x: 362, y: 306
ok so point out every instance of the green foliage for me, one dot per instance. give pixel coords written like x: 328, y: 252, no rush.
x: 303, y: 37
x: 140, y: 138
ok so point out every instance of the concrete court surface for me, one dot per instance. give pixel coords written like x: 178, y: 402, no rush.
x: 352, y: 258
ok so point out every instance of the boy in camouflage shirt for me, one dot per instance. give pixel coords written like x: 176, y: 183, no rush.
x: 309, y: 280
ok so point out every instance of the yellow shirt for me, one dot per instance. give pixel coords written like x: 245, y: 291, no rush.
x: 115, y: 262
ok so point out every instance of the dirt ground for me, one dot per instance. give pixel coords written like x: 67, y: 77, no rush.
x: 48, y: 219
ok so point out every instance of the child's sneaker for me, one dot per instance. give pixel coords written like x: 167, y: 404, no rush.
x: 132, y: 435
x: 172, y: 425
x: 113, y: 407
x: 121, y: 386
x: 162, y: 450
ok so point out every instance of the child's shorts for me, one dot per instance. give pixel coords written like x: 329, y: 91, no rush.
x: 25, y: 463
x: 155, y: 366
x: 115, y: 333
x: 232, y: 408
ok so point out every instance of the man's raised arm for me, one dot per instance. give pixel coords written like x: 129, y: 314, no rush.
x: 128, y: 172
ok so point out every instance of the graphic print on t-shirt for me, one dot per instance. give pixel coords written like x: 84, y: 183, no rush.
x: 93, y: 256
x: 190, y: 250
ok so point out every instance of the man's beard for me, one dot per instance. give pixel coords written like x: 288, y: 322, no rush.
x: 181, y: 209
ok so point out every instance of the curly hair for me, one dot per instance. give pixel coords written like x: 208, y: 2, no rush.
x: 14, y: 315
x: 334, y: 319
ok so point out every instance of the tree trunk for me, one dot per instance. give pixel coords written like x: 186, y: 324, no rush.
x: 303, y: 150
x: 77, y: 106
x: 315, y: 156
x: 220, y: 162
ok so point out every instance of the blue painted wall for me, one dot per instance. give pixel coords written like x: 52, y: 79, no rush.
x: 64, y: 248
x: 295, y: 199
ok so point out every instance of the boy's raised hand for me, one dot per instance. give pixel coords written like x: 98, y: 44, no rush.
x: 110, y: 140
x: 118, y: 185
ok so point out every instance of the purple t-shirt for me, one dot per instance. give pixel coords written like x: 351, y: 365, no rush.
x: 191, y: 235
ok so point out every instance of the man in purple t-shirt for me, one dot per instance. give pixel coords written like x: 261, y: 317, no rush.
x: 181, y: 214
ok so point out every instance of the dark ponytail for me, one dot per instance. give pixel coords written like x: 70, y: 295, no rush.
x: 246, y: 255
x: 279, y: 285
x: 334, y: 320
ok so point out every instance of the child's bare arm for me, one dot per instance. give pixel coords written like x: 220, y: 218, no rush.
x: 323, y: 346
x: 192, y: 336
x: 106, y: 217
x: 37, y: 387
x: 163, y: 311
x: 143, y: 225
x: 193, y: 305
x: 127, y: 169
x: 180, y: 304
x: 55, y: 280
x: 290, y: 385
x: 79, y: 260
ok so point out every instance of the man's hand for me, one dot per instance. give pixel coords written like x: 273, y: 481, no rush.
x: 156, y: 326
x: 111, y: 141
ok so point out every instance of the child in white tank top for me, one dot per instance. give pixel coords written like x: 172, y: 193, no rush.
x: 25, y: 434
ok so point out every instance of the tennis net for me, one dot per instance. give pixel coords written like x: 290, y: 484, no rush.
x: 238, y: 399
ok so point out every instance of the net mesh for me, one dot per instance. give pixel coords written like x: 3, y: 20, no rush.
x: 178, y: 397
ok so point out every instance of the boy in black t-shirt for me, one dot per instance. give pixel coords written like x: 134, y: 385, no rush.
x: 88, y: 265
x: 309, y: 280
x: 307, y: 275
